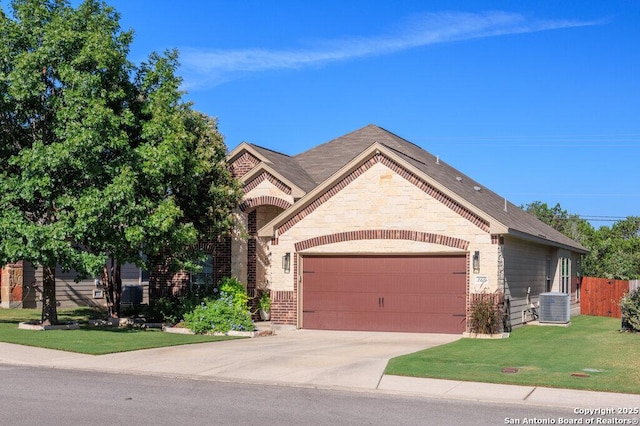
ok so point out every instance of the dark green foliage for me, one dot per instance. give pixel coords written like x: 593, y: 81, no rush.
x: 100, y: 160
x: 630, y: 306
x: 614, y: 252
x: 172, y: 309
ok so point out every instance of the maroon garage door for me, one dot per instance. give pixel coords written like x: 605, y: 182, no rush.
x: 381, y: 293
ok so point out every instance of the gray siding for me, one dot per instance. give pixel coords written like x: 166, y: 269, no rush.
x: 525, y: 267
x: 70, y: 293
x: 536, y: 267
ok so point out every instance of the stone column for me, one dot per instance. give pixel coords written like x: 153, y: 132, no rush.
x: 4, y: 288
x: 11, y: 286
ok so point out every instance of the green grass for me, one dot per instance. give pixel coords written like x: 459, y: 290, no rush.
x: 89, y: 340
x: 544, y: 356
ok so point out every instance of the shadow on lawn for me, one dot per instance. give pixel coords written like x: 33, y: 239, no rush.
x: 82, y: 315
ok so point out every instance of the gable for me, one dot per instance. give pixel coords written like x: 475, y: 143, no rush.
x: 379, y: 193
x: 243, y: 164
x: 316, y: 170
x: 261, y: 179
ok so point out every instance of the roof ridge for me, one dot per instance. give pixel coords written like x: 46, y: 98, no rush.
x: 268, y: 149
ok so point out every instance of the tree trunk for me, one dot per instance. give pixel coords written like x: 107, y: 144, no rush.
x: 107, y: 285
x: 49, y: 304
x: 112, y: 284
x: 117, y: 284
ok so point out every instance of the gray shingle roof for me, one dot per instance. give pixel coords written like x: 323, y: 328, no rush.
x: 288, y: 168
x: 310, y: 168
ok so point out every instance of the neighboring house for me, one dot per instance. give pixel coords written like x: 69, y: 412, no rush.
x: 21, y: 286
x: 371, y: 232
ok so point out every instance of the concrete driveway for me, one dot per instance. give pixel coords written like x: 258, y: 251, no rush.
x: 304, y: 357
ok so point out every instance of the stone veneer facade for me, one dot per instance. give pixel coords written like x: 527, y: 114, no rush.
x: 378, y: 209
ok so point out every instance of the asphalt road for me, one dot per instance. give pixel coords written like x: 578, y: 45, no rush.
x: 44, y: 396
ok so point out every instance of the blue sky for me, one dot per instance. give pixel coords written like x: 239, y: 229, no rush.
x: 536, y: 100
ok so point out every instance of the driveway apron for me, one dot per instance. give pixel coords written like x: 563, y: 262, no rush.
x: 304, y: 357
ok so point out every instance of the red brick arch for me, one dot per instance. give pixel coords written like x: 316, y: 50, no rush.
x: 265, y: 200
x: 383, y: 234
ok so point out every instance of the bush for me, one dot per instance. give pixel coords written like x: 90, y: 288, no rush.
x: 165, y: 309
x: 219, y: 315
x: 172, y: 309
x: 630, y: 307
x: 484, y: 317
x: 234, y: 288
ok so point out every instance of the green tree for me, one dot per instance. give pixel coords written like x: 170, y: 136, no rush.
x: 99, y: 159
x: 570, y: 225
x: 614, y: 252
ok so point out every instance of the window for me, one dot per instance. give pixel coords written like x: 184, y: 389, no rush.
x: 565, y: 275
x: 205, y: 275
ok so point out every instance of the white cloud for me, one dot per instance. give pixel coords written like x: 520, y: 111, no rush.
x: 202, y: 67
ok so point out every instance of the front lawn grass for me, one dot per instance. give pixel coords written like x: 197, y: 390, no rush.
x: 89, y: 340
x: 544, y: 356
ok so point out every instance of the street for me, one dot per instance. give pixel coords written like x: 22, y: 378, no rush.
x: 70, y: 397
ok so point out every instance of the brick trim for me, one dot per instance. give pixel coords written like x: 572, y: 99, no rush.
x: 265, y: 200
x: 497, y: 239
x: 243, y: 164
x: 284, y: 307
x: 248, y: 186
x: 383, y: 234
x: 407, y: 175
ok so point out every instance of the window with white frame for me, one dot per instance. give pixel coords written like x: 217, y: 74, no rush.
x: 565, y: 275
x: 205, y: 274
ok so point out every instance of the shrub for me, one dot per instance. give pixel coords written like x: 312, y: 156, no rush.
x: 219, y: 315
x: 165, y: 309
x: 234, y: 288
x: 484, y: 317
x: 630, y: 307
x: 172, y: 309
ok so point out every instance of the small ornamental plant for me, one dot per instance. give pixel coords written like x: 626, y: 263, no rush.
x: 264, y: 303
x: 484, y: 317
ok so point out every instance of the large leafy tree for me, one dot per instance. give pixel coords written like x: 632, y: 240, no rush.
x: 99, y: 159
x: 615, y: 250
x: 558, y: 218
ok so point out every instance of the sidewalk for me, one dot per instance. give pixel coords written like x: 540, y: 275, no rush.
x: 310, y: 359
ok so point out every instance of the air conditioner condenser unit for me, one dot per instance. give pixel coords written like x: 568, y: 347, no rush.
x: 554, y: 308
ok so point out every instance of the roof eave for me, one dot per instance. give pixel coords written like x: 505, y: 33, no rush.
x: 545, y: 241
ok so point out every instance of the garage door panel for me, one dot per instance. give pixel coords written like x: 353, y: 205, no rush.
x: 344, y: 301
x: 370, y: 321
x: 385, y: 293
x: 418, y: 304
x: 334, y: 320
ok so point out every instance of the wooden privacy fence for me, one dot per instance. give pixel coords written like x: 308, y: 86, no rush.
x: 601, y: 296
